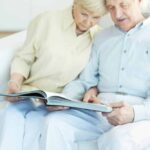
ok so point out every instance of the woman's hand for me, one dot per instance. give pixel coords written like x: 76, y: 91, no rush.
x: 91, y: 96
x: 14, y: 86
x: 56, y: 108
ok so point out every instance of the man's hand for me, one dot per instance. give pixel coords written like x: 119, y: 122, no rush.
x: 91, y: 96
x: 122, y: 113
x: 92, y: 99
x: 56, y: 108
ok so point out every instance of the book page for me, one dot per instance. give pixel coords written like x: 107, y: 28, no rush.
x: 51, y: 94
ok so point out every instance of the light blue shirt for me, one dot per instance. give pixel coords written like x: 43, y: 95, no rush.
x: 120, y: 62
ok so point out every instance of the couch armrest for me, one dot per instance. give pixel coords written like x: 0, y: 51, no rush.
x: 8, y: 46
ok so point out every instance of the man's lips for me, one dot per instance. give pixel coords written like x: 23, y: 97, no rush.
x: 122, y: 20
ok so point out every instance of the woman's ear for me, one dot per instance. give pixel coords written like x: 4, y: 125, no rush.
x: 73, y: 10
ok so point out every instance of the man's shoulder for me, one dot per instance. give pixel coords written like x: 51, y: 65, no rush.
x: 105, y: 34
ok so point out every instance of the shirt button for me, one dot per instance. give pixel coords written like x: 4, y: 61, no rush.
x: 125, y: 51
x: 120, y: 86
x: 122, y: 69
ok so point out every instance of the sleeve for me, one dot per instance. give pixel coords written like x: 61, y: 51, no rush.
x: 142, y: 112
x: 87, y: 79
x: 24, y: 58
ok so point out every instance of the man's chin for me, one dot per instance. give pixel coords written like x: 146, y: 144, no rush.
x: 125, y: 28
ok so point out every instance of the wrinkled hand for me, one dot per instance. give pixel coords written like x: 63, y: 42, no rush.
x: 91, y: 96
x: 122, y: 113
x: 56, y: 108
x: 12, y: 88
x: 91, y: 99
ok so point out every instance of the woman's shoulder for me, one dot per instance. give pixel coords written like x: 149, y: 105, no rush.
x: 51, y: 14
x: 44, y: 19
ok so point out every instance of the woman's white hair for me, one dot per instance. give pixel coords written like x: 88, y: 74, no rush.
x: 93, y: 5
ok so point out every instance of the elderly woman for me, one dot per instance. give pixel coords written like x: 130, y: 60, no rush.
x: 56, y: 50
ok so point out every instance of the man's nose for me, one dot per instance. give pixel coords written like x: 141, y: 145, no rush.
x: 118, y: 13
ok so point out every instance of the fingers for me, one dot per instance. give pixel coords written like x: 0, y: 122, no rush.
x: 12, y: 99
x: 9, y: 98
x: 122, y: 113
x: 91, y: 99
x: 117, y: 104
x: 94, y: 99
x: 86, y: 98
x: 12, y: 88
x: 56, y: 108
x: 89, y: 94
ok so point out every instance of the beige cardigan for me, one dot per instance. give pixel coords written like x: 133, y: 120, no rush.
x: 52, y: 54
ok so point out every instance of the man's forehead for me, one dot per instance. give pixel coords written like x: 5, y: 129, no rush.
x: 117, y: 1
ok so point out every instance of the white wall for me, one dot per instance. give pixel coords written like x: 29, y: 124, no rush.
x: 16, y: 14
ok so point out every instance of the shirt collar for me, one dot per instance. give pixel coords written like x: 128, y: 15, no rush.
x: 145, y: 22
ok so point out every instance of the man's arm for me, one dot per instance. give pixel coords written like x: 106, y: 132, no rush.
x: 87, y: 79
x: 142, y: 112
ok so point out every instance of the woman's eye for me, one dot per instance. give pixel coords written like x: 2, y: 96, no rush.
x: 83, y: 14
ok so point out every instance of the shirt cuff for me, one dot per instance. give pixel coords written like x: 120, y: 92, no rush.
x: 139, y: 112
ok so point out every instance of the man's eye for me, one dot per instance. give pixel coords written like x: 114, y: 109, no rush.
x: 110, y: 8
x: 124, y: 5
x: 96, y: 17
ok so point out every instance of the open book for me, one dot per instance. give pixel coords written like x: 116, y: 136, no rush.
x: 58, y: 99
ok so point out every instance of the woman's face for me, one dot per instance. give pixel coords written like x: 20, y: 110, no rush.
x: 84, y: 19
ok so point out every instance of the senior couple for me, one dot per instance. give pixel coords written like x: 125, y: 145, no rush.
x: 116, y: 69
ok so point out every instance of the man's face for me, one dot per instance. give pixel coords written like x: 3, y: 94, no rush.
x: 125, y: 13
x: 84, y: 19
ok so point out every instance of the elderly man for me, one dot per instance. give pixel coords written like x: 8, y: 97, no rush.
x: 120, y: 68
